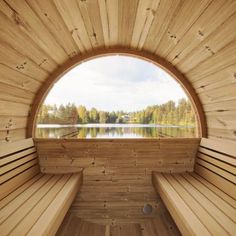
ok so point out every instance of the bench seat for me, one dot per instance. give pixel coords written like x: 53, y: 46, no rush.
x: 203, y: 202
x: 32, y: 203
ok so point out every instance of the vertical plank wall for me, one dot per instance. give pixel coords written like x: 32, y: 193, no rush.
x: 116, y: 173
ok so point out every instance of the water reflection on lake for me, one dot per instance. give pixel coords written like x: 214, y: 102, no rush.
x: 114, y: 131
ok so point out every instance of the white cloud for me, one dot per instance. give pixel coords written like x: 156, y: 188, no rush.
x: 115, y: 83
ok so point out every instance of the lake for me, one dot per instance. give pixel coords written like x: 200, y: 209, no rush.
x: 114, y: 131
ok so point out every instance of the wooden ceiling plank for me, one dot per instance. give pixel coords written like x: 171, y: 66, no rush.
x: 9, y: 31
x: 222, y: 59
x: 127, y: 12
x: 188, y: 13
x: 214, y: 15
x: 165, y: 12
x: 72, y: 17
x: 221, y: 37
x: 148, y: 22
x: 92, y: 20
x: 104, y: 21
x: 47, y: 12
x: 141, y: 18
x: 16, y: 79
x: 112, y: 13
x: 18, y: 62
x: 29, y: 23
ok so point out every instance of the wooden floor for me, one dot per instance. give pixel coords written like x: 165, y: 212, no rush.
x: 162, y: 225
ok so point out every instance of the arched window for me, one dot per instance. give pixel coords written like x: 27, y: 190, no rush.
x: 117, y: 97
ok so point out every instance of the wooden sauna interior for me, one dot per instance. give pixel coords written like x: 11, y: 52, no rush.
x: 111, y: 187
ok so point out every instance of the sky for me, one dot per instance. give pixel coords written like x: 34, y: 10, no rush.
x: 115, y: 83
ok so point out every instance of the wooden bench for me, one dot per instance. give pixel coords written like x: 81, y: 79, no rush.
x: 203, y: 202
x: 32, y: 203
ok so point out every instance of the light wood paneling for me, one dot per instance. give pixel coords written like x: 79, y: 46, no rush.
x: 116, y: 173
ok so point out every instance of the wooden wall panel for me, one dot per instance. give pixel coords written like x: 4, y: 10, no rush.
x: 116, y: 173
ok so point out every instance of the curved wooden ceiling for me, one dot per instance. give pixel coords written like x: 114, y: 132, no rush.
x: 197, y: 37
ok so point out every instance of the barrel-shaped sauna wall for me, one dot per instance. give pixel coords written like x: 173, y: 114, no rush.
x: 194, y: 40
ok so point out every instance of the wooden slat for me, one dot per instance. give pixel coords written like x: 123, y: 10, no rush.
x: 219, y: 171
x: 18, y: 155
x: 27, y: 206
x: 208, y: 22
x: 18, y: 191
x: 202, y: 213
x: 17, y: 181
x: 18, y: 163
x: 9, y: 136
x: 61, y: 203
x: 36, y: 30
x: 211, y: 45
x: 165, y: 13
x: 12, y: 122
x: 223, y: 220
x: 222, y: 147
x: 72, y: 17
x: 179, y: 26
x: 55, y: 24
x: 17, y: 79
x: 23, y: 197
x: 185, y: 219
x: 10, y: 30
x: 218, y: 163
x: 13, y: 109
x: 126, y: 17
x: 214, y: 198
x: 226, y: 186
x: 41, y: 206
x: 218, y: 156
x: 216, y: 190
x: 17, y: 171
x: 112, y: 17
x: 16, y: 146
x: 214, y: 63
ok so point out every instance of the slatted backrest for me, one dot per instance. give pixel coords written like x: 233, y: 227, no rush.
x: 216, y: 162
x: 18, y: 163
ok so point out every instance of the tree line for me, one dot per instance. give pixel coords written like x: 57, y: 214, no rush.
x: 169, y: 113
